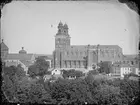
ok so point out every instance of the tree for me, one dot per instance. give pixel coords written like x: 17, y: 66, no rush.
x: 66, y: 91
x: 20, y: 72
x: 10, y: 71
x: 93, y: 72
x: 107, y: 95
x: 8, y: 88
x: 40, y: 68
x: 129, y: 89
x: 105, y: 67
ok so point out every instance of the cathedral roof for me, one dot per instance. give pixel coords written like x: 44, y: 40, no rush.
x: 3, y: 46
x: 22, y: 51
x: 93, y: 46
x: 109, y: 46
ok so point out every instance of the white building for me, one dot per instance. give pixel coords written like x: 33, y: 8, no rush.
x: 56, y: 72
x: 127, y: 69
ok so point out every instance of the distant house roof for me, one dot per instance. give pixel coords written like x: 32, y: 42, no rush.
x: 3, y: 46
x: 126, y: 65
x: 130, y: 57
x: 19, y: 56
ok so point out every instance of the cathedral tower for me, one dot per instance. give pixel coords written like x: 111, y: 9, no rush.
x: 62, y: 38
x: 62, y: 41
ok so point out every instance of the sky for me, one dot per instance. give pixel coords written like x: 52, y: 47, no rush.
x: 33, y: 25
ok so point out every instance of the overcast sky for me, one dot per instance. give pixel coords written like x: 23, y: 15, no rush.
x: 28, y: 25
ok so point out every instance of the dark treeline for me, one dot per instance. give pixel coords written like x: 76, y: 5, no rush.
x: 94, y: 88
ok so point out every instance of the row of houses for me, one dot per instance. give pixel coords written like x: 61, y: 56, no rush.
x: 120, y: 69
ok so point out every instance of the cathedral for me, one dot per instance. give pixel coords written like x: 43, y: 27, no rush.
x: 67, y: 56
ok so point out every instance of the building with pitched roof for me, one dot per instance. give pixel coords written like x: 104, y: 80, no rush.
x: 4, y: 50
x: 23, y: 58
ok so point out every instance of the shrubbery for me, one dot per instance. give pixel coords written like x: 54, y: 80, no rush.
x: 94, y: 89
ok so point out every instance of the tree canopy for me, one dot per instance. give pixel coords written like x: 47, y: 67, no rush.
x: 72, y: 73
x: 105, y: 67
x: 39, y: 68
x: 93, y: 89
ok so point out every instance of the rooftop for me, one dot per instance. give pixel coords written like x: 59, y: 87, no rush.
x: 3, y: 46
x: 15, y: 56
